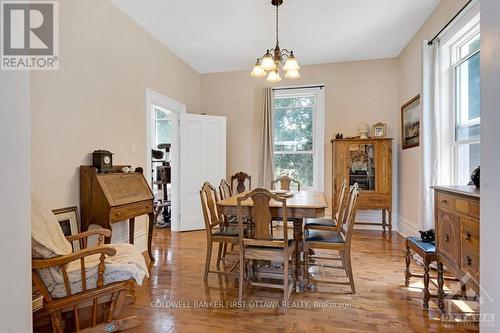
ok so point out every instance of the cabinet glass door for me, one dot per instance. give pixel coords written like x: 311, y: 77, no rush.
x: 362, y: 166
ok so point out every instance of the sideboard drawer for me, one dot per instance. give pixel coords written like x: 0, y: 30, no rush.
x: 448, y: 235
x: 470, y: 246
x: 445, y: 201
x: 125, y: 212
x: 458, y: 204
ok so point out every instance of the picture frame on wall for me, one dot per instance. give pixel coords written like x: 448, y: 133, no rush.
x: 69, y: 222
x: 379, y: 130
x: 410, y: 123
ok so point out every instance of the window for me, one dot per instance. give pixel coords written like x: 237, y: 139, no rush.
x: 299, y: 135
x: 163, y: 124
x: 467, y: 108
x: 461, y: 58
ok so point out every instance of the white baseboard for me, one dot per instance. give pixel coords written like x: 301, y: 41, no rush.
x: 140, y: 240
x: 407, y: 227
x: 373, y: 216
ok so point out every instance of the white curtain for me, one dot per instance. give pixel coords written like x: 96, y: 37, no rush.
x: 266, y: 175
x: 429, y: 137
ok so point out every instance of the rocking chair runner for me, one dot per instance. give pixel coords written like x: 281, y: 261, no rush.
x: 106, y: 273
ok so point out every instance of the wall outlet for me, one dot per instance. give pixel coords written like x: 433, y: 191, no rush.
x: 133, y: 148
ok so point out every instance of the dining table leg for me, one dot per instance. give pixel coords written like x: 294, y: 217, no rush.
x: 299, y: 247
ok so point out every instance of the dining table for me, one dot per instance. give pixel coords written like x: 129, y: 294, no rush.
x: 300, y: 205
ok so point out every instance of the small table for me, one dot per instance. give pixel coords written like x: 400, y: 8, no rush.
x: 303, y: 204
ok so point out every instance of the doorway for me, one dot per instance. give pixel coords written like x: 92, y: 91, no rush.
x: 162, y: 150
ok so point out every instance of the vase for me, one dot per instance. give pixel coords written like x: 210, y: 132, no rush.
x: 475, y: 177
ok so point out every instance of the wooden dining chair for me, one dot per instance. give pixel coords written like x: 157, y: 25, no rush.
x: 225, y: 192
x: 216, y: 230
x: 285, y: 183
x: 326, y: 223
x: 259, y: 244
x: 240, y: 178
x: 333, y: 240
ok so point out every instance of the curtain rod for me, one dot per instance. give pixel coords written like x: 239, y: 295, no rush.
x: 449, y: 22
x: 306, y: 87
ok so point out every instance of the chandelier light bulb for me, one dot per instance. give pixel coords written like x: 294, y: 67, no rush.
x: 273, y: 76
x: 291, y: 64
x: 292, y: 74
x: 258, y: 71
x: 267, y: 63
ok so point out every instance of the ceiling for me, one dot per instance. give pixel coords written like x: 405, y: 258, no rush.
x: 218, y: 36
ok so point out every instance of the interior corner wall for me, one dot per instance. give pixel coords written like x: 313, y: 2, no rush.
x: 96, y: 100
x: 355, y: 92
x: 15, y: 202
x: 490, y: 164
x: 410, y: 85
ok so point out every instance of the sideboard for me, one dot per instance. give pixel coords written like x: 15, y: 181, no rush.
x: 457, y: 235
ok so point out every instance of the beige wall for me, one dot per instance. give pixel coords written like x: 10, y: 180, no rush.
x: 410, y: 85
x: 355, y: 92
x: 97, y: 97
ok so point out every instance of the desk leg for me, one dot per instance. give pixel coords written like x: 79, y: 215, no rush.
x: 150, y: 235
x: 384, y: 219
x: 389, y: 217
x: 131, y: 230
x: 297, y: 236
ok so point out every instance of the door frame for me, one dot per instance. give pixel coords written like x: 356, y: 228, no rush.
x: 177, y: 108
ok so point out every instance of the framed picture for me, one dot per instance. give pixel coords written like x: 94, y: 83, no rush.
x: 410, y: 123
x: 68, y: 220
x: 379, y: 130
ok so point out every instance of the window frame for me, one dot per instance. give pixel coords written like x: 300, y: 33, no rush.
x: 464, y: 31
x: 318, y: 135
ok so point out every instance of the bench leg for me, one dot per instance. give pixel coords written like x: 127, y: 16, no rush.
x: 427, y: 294
x: 440, y: 279
x: 407, y: 270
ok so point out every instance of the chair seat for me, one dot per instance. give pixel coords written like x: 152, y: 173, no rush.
x: 425, y: 247
x: 227, y: 231
x: 324, y: 236
x: 321, y: 222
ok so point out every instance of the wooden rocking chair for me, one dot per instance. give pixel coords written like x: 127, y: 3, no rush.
x: 117, y: 293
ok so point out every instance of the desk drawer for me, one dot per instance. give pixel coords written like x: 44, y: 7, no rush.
x: 470, y: 246
x: 126, y: 212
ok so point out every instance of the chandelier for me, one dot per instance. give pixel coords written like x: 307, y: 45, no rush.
x: 269, y: 64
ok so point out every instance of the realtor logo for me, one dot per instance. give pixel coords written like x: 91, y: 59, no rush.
x: 29, y: 36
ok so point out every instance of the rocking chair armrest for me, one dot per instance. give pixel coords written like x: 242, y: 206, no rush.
x: 103, y: 232
x: 66, y: 259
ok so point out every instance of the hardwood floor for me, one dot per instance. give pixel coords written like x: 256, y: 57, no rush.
x: 172, y: 299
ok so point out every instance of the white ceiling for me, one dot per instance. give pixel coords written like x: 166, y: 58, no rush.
x: 218, y: 36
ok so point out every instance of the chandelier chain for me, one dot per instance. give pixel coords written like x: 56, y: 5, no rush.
x: 277, y: 26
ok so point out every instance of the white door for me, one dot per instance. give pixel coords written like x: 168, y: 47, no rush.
x: 202, y: 158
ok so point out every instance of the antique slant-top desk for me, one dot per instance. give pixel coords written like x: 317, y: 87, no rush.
x: 111, y: 197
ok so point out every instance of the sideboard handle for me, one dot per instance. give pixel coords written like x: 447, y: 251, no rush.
x: 469, y: 261
x: 468, y: 237
x: 444, y: 202
x: 446, y: 237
